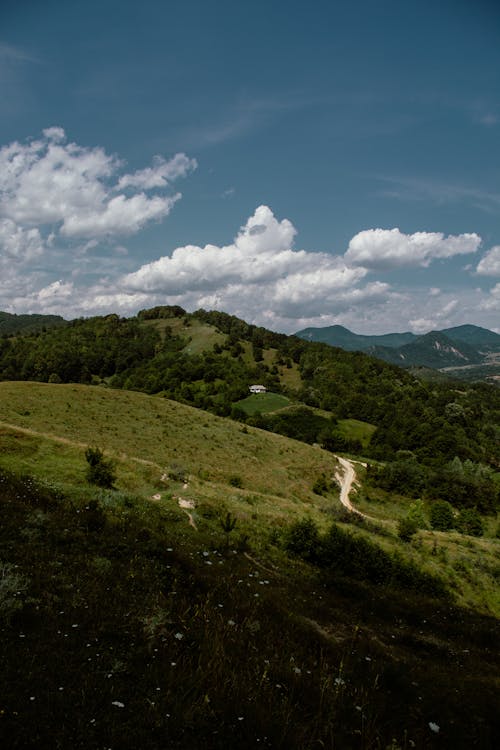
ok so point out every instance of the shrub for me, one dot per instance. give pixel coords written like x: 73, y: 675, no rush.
x: 321, y: 486
x: 469, y: 522
x: 99, y: 471
x: 236, y: 481
x: 417, y: 514
x: 407, y: 528
x: 441, y: 515
x: 302, y: 539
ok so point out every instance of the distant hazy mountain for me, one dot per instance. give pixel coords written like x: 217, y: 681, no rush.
x: 14, y: 323
x: 354, y: 342
x: 453, y: 347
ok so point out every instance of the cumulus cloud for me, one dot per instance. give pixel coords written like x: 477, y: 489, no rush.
x: 258, y: 271
x: 489, y: 265
x: 17, y: 243
x: 73, y: 190
x: 391, y: 248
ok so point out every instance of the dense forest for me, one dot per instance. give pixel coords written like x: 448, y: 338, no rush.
x: 434, y: 423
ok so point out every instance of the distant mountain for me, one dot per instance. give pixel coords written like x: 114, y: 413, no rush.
x: 434, y: 350
x: 10, y: 323
x: 461, y: 346
x: 354, y: 342
x: 479, y: 338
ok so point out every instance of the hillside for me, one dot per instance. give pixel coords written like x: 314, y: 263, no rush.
x: 209, y: 359
x: 138, y: 612
x: 11, y: 323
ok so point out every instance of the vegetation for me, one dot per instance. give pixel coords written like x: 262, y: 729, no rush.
x: 204, y: 587
x: 162, y: 633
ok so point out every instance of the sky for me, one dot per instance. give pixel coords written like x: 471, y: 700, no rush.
x: 294, y: 164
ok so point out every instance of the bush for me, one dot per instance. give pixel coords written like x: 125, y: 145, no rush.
x: 99, y: 471
x: 302, y: 540
x: 469, y: 522
x: 407, y: 528
x: 321, y: 485
x: 236, y: 482
x: 441, y: 516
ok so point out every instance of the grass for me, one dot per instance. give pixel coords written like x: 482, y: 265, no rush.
x: 148, y: 435
x: 263, y: 403
x: 124, y: 626
x: 127, y: 628
x: 202, y: 337
x: 354, y: 429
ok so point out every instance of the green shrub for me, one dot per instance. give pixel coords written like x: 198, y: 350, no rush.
x: 321, y: 485
x: 441, y: 515
x: 99, y: 471
x: 407, y: 528
x: 470, y: 522
x: 236, y: 481
x: 302, y: 540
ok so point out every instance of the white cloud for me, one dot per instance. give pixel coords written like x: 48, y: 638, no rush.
x: 492, y: 302
x: 72, y: 190
x: 489, y: 265
x: 160, y: 174
x: 17, y: 243
x: 390, y: 248
x: 258, y: 271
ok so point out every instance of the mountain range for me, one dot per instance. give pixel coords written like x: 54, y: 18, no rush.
x: 462, y: 346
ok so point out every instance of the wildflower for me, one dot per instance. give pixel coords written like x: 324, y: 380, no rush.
x: 339, y: 681
x: 118, y: 704
x: 179, y: 636
x: 231, y: 622
x: 297, y: 670
x: 433, y: 727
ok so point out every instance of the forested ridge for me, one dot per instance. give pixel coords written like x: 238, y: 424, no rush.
x: 435, y: 421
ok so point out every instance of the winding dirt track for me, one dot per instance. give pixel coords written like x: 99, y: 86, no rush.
x: 346, y: 480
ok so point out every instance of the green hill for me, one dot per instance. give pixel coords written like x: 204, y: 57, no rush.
x: 11, y: 323
x: 214, y: 598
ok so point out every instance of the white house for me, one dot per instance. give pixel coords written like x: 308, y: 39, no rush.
x: 257, y: 389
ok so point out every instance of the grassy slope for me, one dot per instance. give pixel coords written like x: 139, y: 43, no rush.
x: 291, y: 653
x: 276, y: 473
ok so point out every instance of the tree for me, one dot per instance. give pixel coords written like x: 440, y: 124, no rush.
x: 228, y: 523
x: 470, y: 522
x: 441, y: 516
x: 99, y: 471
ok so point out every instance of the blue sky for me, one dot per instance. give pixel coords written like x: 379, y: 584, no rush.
x: 294, y: 164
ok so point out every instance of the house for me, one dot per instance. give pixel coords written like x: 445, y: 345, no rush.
x: 257, y: 389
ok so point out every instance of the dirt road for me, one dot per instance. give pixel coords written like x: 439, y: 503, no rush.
x: 346, y: 480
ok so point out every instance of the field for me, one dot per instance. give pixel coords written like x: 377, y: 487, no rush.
x: 149, y: 436
x: 263, y: 403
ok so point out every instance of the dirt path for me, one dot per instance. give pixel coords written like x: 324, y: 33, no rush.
x: 75, y: 443
x: 346, y: 480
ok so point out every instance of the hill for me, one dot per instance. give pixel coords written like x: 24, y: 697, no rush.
x: 11, y: 324
x: 209, y: 360
x: 141, y: 614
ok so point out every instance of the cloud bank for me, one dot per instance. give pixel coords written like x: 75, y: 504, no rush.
x: 65, y: 210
